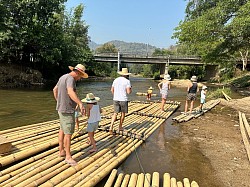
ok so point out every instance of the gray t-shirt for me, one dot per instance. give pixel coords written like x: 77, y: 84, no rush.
x: 64, y: 103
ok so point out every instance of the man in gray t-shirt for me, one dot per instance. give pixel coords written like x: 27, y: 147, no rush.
x: 67, y: 99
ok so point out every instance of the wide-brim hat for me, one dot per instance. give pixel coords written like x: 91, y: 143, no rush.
x: 194, y: 78
x: 167, y: 77
x: 81, y: 68
x: 150, y: 88
x: 124, y: 72
x: 90, y: 98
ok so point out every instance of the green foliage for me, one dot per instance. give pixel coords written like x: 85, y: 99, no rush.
x: 215, y: 94
x: 185, y: 72
x: 107, y: 48
x: 156, y: 76
x: 38, y: 34
x: 240, y: 82
x: 216, y: 30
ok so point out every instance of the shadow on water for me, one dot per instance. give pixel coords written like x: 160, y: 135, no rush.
x: 166, y: 150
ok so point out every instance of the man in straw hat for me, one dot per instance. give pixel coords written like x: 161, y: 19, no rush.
x: 120, y: 88
x: 191, y: 95
x: 67, y: 99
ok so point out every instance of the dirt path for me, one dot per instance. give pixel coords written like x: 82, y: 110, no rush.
x: 217, y: 134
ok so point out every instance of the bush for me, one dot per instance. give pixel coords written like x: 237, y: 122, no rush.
x: 215, y: 94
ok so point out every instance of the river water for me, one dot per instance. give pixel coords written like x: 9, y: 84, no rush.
x: 164, y: 151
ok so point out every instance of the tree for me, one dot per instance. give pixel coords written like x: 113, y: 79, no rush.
x: 107, y: 48
x: 215, y: 29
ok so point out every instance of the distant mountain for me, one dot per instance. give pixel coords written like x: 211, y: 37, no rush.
x: 128, y: 47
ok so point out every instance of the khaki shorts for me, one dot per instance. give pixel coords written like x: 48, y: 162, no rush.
x: 120, y: 106
x: 191, y: 97
x: 67, y: 122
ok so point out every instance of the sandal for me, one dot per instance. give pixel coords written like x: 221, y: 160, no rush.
x: 92, y: 150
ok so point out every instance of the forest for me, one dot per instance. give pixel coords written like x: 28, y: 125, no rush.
x: 41, y: 39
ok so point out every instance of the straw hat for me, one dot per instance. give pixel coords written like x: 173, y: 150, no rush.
x: 194, y: 78
x: 204, y: 87
x: 81, y: 69
x: 90, y: 98
x: 124, y: 72
x: 167, y: 77
x: 150, y: 88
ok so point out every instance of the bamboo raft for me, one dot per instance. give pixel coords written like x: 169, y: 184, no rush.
x: 145, y: 94
x: 146, y: 180
x: 245, y: 132
x: 34, y: 161
x: 195, y: 114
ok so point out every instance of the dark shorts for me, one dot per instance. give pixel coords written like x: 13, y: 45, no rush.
x: 120, y: 106
x: 191, y: 96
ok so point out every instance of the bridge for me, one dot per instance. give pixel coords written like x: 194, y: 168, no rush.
x: 163, y: 61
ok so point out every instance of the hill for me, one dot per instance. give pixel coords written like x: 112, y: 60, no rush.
x: 128, y: 47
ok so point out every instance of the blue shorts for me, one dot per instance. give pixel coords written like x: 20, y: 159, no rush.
x: 203, y: 101
x: 92, y: 127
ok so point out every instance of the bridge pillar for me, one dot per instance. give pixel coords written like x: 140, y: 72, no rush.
x: 210, y: 72
x: 162, y: 70
x: 118, y: 61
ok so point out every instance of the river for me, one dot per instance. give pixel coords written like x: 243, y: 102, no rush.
x: 163, y: 151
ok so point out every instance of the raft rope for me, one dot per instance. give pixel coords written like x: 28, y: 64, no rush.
x: 138, y: 159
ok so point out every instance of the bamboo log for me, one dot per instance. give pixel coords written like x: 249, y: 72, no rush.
x: 119, y: 180
x: 133, y: 180
x: 147, y: 180
x: 111, y: 178
x: 173, y: 182
x: 125, y: 181
x: 244, y: 136
x: 166, y: 180
x: 194, y: 184
x: 155, y: 179
x: 186, y: 182
x: 179, y: 184
x: 140, y: 180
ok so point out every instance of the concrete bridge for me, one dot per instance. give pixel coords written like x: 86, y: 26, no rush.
x: 163, y: 61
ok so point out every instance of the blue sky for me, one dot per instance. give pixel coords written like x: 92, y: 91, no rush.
x: 142, y: 21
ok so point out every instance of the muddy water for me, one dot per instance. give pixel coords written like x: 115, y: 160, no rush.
x: 164, y: 151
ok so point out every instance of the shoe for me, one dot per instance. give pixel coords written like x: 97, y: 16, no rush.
x: 71, y: 162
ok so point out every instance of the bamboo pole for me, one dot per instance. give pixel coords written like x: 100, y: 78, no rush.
x: 166, y: 180
x: 186, y: 182
x: 147, y: 180
x: 111, y: 178
x: 194, y: 184
x: 133, y: 180
x: 119, y: 180
x: 140, y: 180
x: 173, y: 182
x: 155, y: 179
x: 179, y: 184
x: 125, y: 181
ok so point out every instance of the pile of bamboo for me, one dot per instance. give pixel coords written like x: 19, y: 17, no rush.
x: 196, y: 113
x: 144, y: 94
x: 245, y: 132
x: 146, y: 180
x: 226, y: 96
x: 35, y: 160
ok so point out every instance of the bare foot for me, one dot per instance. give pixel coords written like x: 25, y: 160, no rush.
x: 92, y: 150
x: 62, y: 153
x: 71, y: 162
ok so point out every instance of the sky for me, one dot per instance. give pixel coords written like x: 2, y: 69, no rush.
x: 142, y: 21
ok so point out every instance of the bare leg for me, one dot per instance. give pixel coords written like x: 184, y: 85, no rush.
x: 92, y: 140
x: 113, y: 119
x: 121, y: 120
x: 191, y: 105
x: 61, y: 146
x: 186, y: 106
x: 163, y: 101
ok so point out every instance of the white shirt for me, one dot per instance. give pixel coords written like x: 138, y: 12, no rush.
x: 120, y: 85
x: 203, y: 95
x: 94, y: 114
